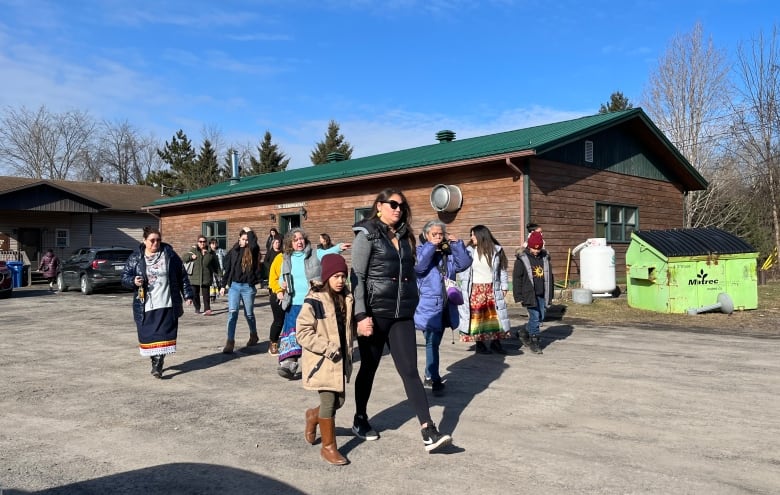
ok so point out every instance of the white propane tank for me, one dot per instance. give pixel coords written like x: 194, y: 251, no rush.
x: 597, y: 266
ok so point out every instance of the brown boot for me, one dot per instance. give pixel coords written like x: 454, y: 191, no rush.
x: 253, y: 340
x: 229, y: 345
x: 329, y: 451
x: 310, y: 433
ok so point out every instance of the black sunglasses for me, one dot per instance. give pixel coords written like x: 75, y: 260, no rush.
x: 394, y: 204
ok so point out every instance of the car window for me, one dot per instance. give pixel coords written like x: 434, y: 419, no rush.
x: 115, y: 255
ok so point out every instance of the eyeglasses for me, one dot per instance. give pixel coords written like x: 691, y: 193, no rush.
x: 201, y: 242
x: 394, y: 204
x: 153, y: 239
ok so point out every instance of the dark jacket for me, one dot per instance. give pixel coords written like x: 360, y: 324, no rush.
x: 204, y: 266
x: 382, y: 277
x: 233, y: 270
x: 50, y: 265
x: 522, y: 281
x: 177, y: 277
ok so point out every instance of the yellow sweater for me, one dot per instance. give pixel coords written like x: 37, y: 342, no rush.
x: 274, y: 273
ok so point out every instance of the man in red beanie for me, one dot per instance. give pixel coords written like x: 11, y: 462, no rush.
x: 532, y: 285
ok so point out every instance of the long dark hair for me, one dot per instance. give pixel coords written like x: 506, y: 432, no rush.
x: 339, y: 298
x: 246, y: 257
x: 486, y: 244
x: 406, y: 212
x: 328, y: 243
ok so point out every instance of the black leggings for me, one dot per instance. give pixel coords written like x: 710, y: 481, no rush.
x: 400, y: 336
x: 278, y: 312
x: 197, y: 291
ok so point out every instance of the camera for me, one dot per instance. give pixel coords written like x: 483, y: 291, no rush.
x: 445, y: 247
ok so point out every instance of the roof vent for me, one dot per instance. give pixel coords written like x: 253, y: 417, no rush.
x: 335, y: 156
x: 445, y: 136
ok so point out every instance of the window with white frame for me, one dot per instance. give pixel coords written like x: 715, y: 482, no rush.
x: 62, y: 238
x: 616, y: 222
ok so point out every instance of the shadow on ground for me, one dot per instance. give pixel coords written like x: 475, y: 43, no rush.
x: 173, y: 478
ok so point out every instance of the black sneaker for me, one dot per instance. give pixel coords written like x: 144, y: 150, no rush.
x: 525, y: 338
x: 536, y: 346
x: 433, y: 439
x: 362, y: 429
x: 437, y: 388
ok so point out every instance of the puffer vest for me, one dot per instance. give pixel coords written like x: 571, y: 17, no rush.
x: 391, y: 284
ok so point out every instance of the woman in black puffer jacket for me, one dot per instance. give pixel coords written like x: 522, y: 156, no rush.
x: 384, y: 286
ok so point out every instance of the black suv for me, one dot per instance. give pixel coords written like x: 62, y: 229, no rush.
x: 93, y: 268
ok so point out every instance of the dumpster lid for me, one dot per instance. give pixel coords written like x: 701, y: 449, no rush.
x: 694, y: 242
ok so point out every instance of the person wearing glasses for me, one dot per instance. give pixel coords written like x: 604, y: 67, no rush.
x: 156, y: 274
x: 384, y: 286
x: 204, y: 265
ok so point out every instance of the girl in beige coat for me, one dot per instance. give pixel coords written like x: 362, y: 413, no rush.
x: 326, y: 333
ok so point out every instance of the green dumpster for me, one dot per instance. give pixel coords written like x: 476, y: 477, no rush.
x: 672, y: 271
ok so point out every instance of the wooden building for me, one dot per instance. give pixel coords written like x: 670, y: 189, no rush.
x: 598, y: 176
x: 38, y: 214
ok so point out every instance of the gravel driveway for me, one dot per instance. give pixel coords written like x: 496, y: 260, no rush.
x: 606, y: 409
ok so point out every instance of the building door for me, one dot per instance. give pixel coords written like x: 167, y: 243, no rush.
x: 289, y: 222
x: 30, y: 243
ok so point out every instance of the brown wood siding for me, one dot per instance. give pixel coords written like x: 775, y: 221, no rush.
x: 563, y: 199
x: 490, y: 195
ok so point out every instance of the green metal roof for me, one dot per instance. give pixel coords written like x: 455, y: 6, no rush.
x: 538, y: 139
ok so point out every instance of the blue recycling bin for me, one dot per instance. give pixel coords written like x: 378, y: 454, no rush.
x: 17, y: 268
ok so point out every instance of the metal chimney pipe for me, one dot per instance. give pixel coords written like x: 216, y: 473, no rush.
x: 234, y: 167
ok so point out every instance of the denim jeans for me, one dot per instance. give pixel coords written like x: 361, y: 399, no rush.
x: 536, y: 316
x: 432, y: 342
x: 241, y: 292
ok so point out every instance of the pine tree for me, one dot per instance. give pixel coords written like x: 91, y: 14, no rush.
x: 271, y: 159
x: 333, y: 142
x: 180, y: 156
x: 206, y: 166
x: 617, y: 102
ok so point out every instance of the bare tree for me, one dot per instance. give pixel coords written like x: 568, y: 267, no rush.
x: 757, y: 122
x: 118, y: 151
x: 42, y: 144
x: 687, y: 97
x: 148, y: 160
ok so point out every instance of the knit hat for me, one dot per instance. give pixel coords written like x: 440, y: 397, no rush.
x: 535, y: 240
x: 331, y: 265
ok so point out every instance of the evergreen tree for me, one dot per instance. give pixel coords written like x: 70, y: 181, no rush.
x: 271, y: 159
x: 207, y: 166
x: 334, y: 141
x: 617, y: 102
x: 180, y: 156
x: 163, y: 180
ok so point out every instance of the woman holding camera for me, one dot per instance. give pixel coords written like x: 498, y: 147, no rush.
x: 439, y: 258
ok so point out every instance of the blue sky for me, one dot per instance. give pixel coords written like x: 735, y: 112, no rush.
x: 392, y: 73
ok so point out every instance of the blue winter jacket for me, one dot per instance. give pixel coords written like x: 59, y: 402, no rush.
x: 430, y: 284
